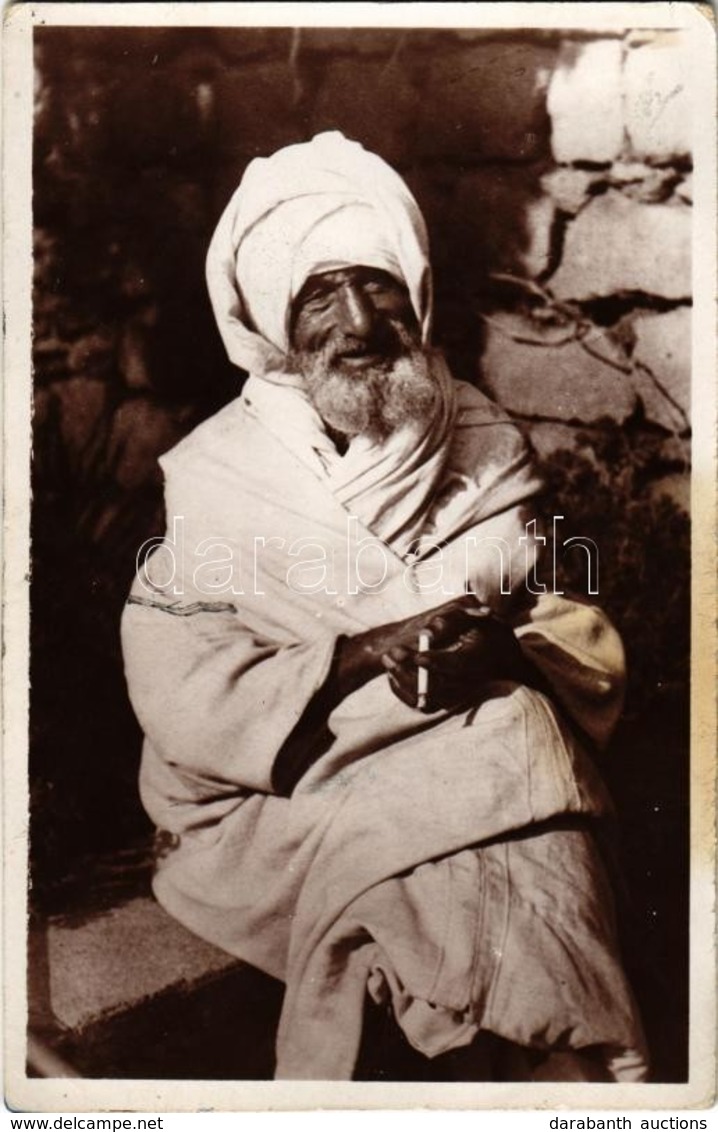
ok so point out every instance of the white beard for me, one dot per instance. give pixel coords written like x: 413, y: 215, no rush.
x: 374, y: 401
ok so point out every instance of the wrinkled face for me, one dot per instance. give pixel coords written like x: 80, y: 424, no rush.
x: 356, y: 342
x: 354, y: 310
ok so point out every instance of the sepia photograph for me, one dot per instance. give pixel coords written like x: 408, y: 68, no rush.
x: 359, y: 595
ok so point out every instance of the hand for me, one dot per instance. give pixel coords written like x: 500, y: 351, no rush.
x: 446, y: 623
x: 459, y: 668
x: 359, y: 658
x: 469, y: 648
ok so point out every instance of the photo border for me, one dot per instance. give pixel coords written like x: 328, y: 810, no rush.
x: 66, y: 1094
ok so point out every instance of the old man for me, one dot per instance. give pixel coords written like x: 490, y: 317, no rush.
x: 366, y: 719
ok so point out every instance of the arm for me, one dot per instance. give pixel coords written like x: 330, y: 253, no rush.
x: 215, y: 699
x: 227, y: 708
x: 470, y: 649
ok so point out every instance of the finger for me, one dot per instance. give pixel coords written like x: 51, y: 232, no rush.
x: 446, y: 627
x: 406, y: 692
x: 440, y: 629
x: 404, y: 673
x: 403, y: 677
x: 472, y: 638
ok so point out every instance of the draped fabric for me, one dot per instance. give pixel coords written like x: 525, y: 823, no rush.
x: 444, y: 862
x: 229, y: 634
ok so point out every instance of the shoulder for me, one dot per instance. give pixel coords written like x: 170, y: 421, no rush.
x: 229, y: 464
x: 213, y: 434
x: 232, y: 444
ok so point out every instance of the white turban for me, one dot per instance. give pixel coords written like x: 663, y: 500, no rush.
x: 309, y: 208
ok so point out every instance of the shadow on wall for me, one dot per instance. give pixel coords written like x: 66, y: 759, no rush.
x: 141, y: 136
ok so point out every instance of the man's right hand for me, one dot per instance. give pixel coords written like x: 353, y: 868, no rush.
x: 359, y: 658
x: 366, y: 655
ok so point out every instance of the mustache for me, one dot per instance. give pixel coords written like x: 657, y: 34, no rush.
x: 389, y: 342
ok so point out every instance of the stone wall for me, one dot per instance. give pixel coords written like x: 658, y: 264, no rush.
x: 555, y: 175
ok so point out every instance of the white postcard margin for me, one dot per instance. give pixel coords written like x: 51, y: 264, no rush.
x: 67, y: 1094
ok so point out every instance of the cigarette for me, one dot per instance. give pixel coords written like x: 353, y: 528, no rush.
x: 422, y: 674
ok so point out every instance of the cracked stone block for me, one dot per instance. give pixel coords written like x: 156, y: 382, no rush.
x: 655, y: 187
x: 585, y: 103
x: 114, y: 961
x: 561, y: 382
x: 643, y: 182
x: 619, y: 245
x: 569, y: 189
x: 487, y: 102
x: 370, y: 102
x: 506, y: 220
x: 626, y: 172
x: 538, y: 219
x: 663, y: 346
x: 657, y: 98
x: 658, y: 409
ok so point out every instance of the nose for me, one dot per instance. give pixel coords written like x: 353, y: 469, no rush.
x: 356, y: 312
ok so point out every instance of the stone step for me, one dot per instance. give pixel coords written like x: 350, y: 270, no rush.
x: 126, y: 991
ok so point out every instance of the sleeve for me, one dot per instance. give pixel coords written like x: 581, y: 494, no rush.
x: 581, y: 656
x: 214, y: 698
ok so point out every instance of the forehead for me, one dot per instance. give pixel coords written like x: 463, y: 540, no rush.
x: 353, y: 274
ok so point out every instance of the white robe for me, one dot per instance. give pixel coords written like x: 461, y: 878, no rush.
x: 413, y: 859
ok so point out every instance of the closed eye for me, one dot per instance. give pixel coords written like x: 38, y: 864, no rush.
x: 378, y: 286
x: 316, y: 301
x: 381, y: 283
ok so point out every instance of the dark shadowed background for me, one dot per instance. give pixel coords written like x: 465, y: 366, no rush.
x: 555, y: 177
